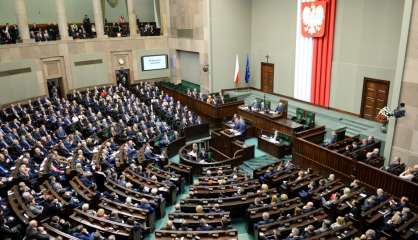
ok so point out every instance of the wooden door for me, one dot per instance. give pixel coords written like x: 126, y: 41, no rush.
x: 375, y: 97
x: 267, y: 77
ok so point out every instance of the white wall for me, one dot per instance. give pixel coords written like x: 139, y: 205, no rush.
x: 190, y: 63
x: 91, y: 74
x: 366, y: 45
x: 230, y: 35
x: 76, y: 9
x: 16, y: 87
x: 273, y: 32
x: 112, y: 13
x: 144, y: 10
x: 7, y: 12
x: 41, y: 11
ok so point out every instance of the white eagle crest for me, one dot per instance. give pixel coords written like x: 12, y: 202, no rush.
x: 313, y: 18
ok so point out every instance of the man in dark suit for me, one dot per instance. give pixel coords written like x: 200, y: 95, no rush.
x: 280, y: 108
x: 204, y: 226
x: 241, y: 125
x: 33, y: 232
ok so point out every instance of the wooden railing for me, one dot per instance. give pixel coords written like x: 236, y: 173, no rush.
x: 309, y: 154
x: 215, y: 113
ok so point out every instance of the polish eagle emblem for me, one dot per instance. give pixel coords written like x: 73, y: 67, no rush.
x: 313, y: 19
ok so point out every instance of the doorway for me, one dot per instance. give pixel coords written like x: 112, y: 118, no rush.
x: 122, y: 77
x: 55, y: 89
x: 375, y: 97
x: 267, y: 77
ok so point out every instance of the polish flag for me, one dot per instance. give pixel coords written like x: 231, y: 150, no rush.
x: 237, y: 73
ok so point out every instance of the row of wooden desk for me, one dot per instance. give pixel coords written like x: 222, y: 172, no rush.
x: 269, y: 122
x: 214, y: 113
x: 307, y: 152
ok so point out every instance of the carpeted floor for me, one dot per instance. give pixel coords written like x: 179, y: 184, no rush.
x: 261, y: 159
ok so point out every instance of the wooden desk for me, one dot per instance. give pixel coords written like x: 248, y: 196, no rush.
x: 275, y: 149
x: 214, y: 113
x: 174, y: 147
x: 272, y: 116
x: 203, y: 235
x: 264, y: 122
x: 196, y: 132
x: 183, y: 170
x: 222, y: 142
x: 308, y: 154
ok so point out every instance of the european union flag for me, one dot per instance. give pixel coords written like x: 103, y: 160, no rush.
x: 247, y: 71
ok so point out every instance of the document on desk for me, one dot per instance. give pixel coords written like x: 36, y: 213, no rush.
x: 235, y: 132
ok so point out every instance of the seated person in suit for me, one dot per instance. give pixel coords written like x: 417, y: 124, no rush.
x: 255, y: 106
x: 396, y: 167
x: 241, y: 126
x: 406, y: 214
x: 149, y: 155
x: 33, y: 231
x: 380, y: 195
x: 332, y: 140
x: 194, y: 152
x: 309, y: 231
x: 396, y: 206
x: 369, y: 203
x: 280, y: 108
x: 294, y: 235
x: 339, y: 223
x: 394, y: 222
x: 266, y: 219
x: 203, y: 154
x: 204, y: 226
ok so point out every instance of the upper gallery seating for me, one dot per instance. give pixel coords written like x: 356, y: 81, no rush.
x: 9, y: 33
x: 44, y: 32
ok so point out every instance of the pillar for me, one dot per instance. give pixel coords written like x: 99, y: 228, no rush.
x: 132, y: 18
x: 62, y: 20
x: 98, y: 18
x: 22, y: 20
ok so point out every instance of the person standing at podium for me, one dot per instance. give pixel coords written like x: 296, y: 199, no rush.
x: 241, y: 125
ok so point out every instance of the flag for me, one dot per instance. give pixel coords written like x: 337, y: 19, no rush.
x: 237, y: 73
x: 247, y: 71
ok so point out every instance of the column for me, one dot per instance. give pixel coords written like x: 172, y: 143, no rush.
x: 22, y: 20
x: 62, y: 20
x: 165, y: 17
x: 132, y: 18
x: 98, y: 18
